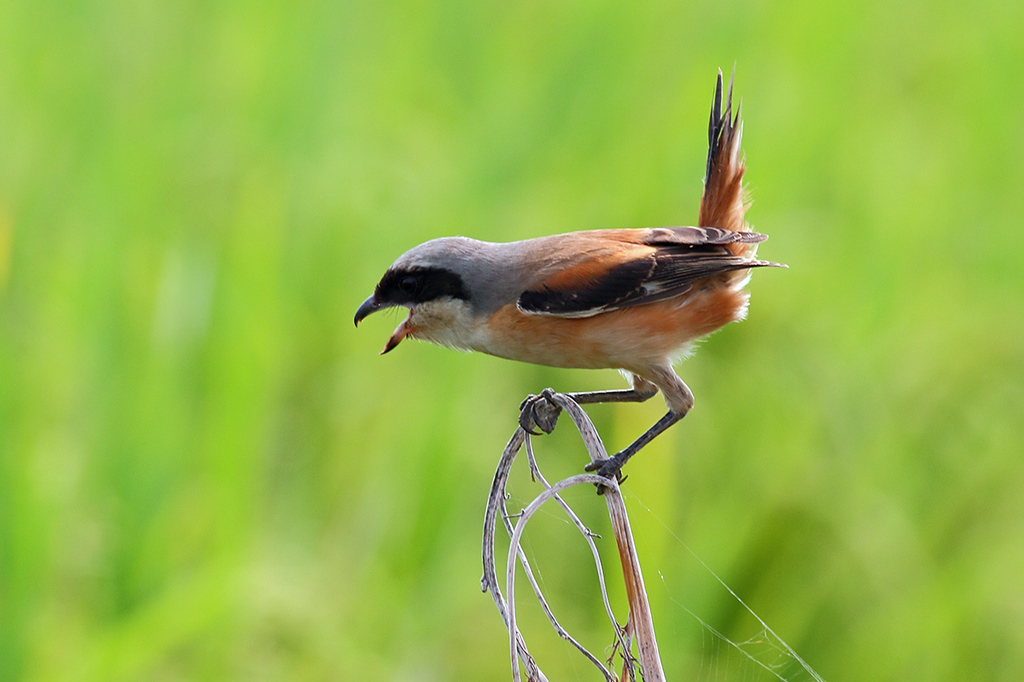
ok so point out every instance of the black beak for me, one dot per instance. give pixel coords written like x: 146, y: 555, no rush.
x: 370, y: 305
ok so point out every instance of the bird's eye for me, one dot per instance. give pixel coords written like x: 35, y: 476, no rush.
x: 409, y: 285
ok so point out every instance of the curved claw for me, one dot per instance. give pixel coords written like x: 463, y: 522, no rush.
x: 539, y: 411
x: 526, y: 423
x: 608, y: 468
x: 526, y: 418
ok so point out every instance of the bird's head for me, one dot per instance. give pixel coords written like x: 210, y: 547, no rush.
x: 434, y: 281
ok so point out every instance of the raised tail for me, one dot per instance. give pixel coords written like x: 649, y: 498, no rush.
x: 723, y: 204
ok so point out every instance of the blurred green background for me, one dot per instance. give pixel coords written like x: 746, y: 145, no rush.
x: 206, y: 472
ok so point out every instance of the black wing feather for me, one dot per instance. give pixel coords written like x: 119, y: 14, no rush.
x: 665, y: 273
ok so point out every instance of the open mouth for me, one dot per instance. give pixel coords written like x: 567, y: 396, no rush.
x: 401, y: 331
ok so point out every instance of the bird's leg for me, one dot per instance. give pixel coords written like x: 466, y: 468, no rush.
x: 642, y: 390
x: 626, y: 395
x: 679, y: 399
x: 542, y: 412
x: 609, y: 468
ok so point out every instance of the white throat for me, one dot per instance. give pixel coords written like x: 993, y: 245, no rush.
x: 448, y: 322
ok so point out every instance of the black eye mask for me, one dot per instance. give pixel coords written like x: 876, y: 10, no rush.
x: 419, y: 285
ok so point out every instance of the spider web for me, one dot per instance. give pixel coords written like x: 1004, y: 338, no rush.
x: 744, y: 648
x: 735, y: 643
x: 760, y: 655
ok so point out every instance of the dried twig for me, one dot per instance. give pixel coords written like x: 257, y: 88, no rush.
x: 543, y: 412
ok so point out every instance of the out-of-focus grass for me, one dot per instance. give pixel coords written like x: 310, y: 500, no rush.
x: 206, y: 473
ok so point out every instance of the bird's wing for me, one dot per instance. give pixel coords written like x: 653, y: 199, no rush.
x: 632, y: 267
x: 620, y: 268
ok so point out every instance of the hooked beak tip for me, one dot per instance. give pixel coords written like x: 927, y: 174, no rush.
x: 372, y: 305
x: 369, y: 306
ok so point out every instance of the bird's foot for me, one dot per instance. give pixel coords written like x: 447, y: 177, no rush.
x: 539, y: 411
x: 608, y: 468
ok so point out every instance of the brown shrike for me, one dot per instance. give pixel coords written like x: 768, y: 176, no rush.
x: 628, y: 299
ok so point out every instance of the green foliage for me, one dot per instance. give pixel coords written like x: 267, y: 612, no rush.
x: 206, y: 473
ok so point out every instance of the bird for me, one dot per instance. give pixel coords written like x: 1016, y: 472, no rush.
x: 633, y: 299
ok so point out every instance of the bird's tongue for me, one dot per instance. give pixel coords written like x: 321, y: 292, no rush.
x: 401, y: 331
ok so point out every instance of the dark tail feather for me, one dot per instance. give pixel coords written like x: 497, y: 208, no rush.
x: 723, y: 205
x: 715, y: 125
